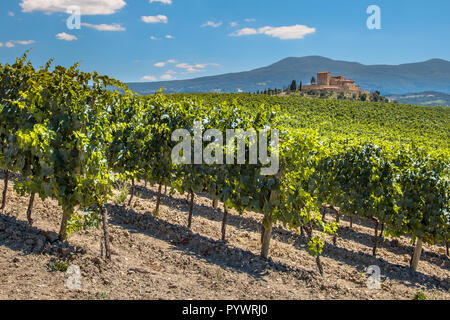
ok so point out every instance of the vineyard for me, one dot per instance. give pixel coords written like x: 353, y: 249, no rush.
x: 79, y: 140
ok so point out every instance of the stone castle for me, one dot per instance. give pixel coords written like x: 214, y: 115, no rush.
x: 326, y: 82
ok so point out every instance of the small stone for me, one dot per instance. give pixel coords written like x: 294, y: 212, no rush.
x: 17, y: 260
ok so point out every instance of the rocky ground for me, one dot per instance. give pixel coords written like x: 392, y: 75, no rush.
x: 158, y: 257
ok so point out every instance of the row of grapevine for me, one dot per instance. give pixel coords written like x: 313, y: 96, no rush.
x: 54, y: 132
x: 395, y: 175
x: 374, y: 121
x: 71, y: 137
x: 68, y: 136
x: 143, y: 147
x: 404, y: 190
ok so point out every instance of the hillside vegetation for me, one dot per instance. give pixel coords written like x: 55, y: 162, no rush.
x: 429, y: 98
x: 70, y: 141
x: 397, y: 123
x: 388, y: 79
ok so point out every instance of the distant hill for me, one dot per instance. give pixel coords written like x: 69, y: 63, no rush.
x: 427, y: 98
x: 431, y: 75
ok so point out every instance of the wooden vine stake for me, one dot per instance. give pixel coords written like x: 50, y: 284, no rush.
x: 262, y: 233
x: 267, y: 231
x: 106, y: 232
x: 224, y: 223
x: 319, y: 265
x: 101, y: 247
x: 416, y: 256
x: 158, y: 199
x: 266, y: 235
x: 30, y: 208
x: 5, y: 188
x: 67, y: 214
x: 375, y: 239
x: 191, y: 209
x: 132, y: 192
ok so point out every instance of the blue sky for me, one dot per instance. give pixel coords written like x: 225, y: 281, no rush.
x: 137, y: 40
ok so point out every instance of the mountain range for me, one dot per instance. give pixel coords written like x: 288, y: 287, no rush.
x: 428, y: 98
x: 431, y: 75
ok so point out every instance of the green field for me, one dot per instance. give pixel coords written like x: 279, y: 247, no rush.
x: 397, y: 123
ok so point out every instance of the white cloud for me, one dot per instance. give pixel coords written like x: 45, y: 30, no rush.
x: 66, y: 37
x: 104, y: 27
x: 167, y: 77
x: 149, y: 78
x: 167, y: 37
x: 204, y: 65
x: 287, y: 33
x: 244, y: 32
x: 199, y: 65
x: 212, y: 24
x: 155, y: 19
x: 13, y: 43
x: 183, y: 65
x: 283, y: 33
x: 1, y: 44
x: 24, y: 42
x: 162, y: 1
x: 249, y: 20
x: 195, y: 68
x: 11, y: 14
x: 163, y: 64
x: 234, y: 24
x: 88, y: 7
x: 171, y: 72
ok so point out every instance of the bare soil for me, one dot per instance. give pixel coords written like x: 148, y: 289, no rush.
x: 158, y: 257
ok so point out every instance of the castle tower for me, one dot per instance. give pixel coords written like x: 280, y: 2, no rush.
x: 323, y: 78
